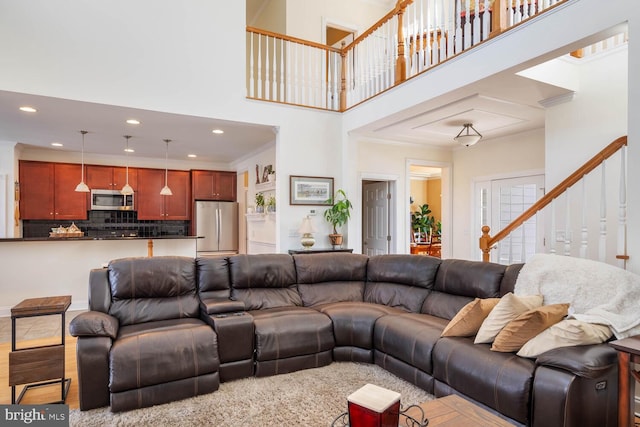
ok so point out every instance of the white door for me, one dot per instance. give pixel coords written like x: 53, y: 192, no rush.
x: 509, y: 198
x: 376, y: 239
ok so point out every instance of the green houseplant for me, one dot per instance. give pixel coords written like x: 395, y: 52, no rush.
x: 271, y: 204
x: 259, y: 203
x: 421, y: 221
x: 338, y: 215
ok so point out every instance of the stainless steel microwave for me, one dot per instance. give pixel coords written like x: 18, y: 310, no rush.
x: 111, y: 200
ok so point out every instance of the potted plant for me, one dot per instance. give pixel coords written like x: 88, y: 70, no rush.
x: 271, y: 204
x: 421, y: 222
x: 259, y: 203
x: 337, y: 215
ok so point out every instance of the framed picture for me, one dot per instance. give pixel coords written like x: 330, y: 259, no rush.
x: 265, y: 173
x: 310, y: 190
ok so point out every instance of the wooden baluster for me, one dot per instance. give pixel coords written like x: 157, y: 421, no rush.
x: 458, y: 15
x: 274, y: 85
x: 525, y: 9
x: 467, y: 24
x: 486, y: 21
x: 251, y: 73
x: 289, y: 91
x: 282, y: 77
x: 343, y: 77
x: 622, y: 212
x: 440, y: 36
x: 259, y: 66
x: 552, y: 239
x: 401, y: 62
x: 267, y: 66
x: 584, y: 233
x: 476, y: 23
x: 517, y: 15
x: 484, y: 243
x: 602, y: 247
x: 567, y: 223
x: 499, y: 16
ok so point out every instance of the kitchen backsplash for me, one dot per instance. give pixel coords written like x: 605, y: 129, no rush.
x: 110, y: 224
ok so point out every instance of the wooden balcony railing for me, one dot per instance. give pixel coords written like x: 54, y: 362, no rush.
x: 488, y: 242
x: 413, y: 37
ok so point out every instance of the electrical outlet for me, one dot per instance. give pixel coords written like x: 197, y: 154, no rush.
x: 312, y: 212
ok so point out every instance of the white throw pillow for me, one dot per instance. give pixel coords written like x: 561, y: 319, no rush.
x: 564, y: 334
x: 509, y: 307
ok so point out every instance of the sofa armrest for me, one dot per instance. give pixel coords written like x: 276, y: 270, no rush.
x: 220, y: 305
x: 94, y: 324
x: 587, y: 361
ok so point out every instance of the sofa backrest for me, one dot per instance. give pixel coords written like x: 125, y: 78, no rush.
x: 213, y: 277
x: 460, y: 281
x: 264, y: 280
x: 401, y: 281
x: 149, y: 289
x: 330, y: 277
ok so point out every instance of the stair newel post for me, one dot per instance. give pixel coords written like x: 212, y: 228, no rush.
x: 401, y: 61
x: 484, y: 243
x: 499, y: 16
x: 343, y: 77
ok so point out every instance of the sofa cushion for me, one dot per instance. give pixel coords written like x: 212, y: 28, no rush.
x: 159, y: 352
x: 566, y: 333
x: 409, y: 337
x: 264, y: 281
x: 151, y: 289
x: 284, y: 332
x: 502, y: 381
x: 325, y: 277
x: 468, y: 320
x: 509, y: 307
x: 401, y: 281
x: 353, y: 322
x: 527, y: 325
x: 213, y: 277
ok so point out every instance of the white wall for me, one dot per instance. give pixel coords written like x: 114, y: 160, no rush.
x: 489, y: 158
x: 8, y: 175
x: 633, y: 197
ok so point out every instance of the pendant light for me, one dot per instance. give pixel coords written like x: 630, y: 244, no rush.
x: 166, y: 191
x: 82, y: 187
x: 467, y: 138
x: 126, y: 190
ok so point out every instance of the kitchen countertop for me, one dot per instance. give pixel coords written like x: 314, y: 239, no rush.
x: 56, y: 239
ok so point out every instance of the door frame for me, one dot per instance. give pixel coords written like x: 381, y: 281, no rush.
x: 447, y: 204
x: 393, y: 206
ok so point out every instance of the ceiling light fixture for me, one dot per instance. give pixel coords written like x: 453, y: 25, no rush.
x: 57, y: 144
x: 28, y: 109
x: 127, y: 189
x: 466, y: 138
x: 192, y: 156
x: 82, y: 187
x: 166, y: 191
x: 217, y: 131
x: 133, y: 122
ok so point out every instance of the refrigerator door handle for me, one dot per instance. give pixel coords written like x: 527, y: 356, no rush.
x: 219, y: 224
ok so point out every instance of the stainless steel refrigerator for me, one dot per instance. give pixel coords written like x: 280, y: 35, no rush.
x: 217, y: 225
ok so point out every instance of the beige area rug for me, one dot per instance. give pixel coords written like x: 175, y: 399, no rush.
x: 313, y: 397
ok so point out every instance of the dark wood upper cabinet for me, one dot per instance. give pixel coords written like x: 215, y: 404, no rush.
x: 110, y: 177
x: 151, y: 205
x: 47, y: 191
x: 214, y: 185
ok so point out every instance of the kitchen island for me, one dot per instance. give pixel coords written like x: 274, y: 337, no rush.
x: 60, y: 266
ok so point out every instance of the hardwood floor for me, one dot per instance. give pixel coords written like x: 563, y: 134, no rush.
x: 44, y: 394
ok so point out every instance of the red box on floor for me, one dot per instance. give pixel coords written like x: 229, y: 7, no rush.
x: 373, y: 406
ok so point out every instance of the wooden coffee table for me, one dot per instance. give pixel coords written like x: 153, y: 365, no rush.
x: 454, y: 411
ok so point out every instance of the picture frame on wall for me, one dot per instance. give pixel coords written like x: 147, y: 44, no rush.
x: 265, y: 173
x: 310, y: 190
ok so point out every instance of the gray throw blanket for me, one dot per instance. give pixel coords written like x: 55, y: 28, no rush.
x: 598, y: 293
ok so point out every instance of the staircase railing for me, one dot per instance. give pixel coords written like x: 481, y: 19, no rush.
x: 488, y: 242
x: 413, y: 37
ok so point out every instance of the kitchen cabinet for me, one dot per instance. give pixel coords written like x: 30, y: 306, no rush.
x: 47, y: 191
x: 110, y: 177
x: 214, y: 185
x: 153, y: 206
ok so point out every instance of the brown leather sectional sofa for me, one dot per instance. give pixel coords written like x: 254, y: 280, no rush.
x: 167, y: 328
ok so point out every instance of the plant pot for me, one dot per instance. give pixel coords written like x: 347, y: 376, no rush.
x: 336, y: 240
x: 259, y: 209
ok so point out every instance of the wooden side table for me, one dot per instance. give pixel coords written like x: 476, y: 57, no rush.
x: 628, y: 353
x: 35, y: 366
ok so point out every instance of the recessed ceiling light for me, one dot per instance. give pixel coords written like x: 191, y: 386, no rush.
x: 133, y: 122
x: 56, y: 144
x: 218, y: 131
x: 129, y: 150
x: 191, y: 155
x: 28, y: 109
